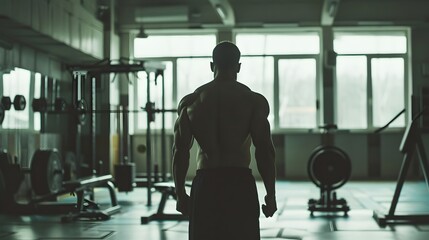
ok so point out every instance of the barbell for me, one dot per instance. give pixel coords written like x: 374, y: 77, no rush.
x: 19, y: 103
x: 60, y: 106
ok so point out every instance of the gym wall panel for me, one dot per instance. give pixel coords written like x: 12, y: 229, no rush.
x: 35, y: 15
x: 355, y: 145
x: 391, y: 157
x: 298, y: 148
x: 28, y: 58
x: 85, y: 37
x: 45, y: 18
x: 6, y: 57
x: 74, y: 32
x: 16, y: 55
x: 97, y: 43
x: 42, y: 63
x: 56, y: 13
x: 55, y: 69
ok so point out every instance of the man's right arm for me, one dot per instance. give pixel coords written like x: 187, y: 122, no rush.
x: 183, y: 140
x: 265, y: 152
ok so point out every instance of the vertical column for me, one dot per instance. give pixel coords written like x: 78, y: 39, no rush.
x: 126, y: 51
x: 328, y: 73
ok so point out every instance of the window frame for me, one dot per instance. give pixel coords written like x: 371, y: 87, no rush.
x: 369, y: 56
x: 318, y: 89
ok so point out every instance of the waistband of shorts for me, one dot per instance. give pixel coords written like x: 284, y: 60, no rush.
x: 225, y: 170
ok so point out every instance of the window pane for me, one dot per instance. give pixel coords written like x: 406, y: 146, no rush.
x: 351, y: 92
x: 258, y: 74
x: 388, y: 90
x: 155, y: 96
x: 275, y: 44
x: 297, y: 93
x: 174, y: 46
x: 370, y: 43
x: 14, y: 83
x: 192, y: 73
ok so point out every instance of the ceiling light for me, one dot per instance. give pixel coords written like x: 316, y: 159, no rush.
x: 142, y: 33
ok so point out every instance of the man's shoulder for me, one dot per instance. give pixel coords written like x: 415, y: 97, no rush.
x: 187, y: 100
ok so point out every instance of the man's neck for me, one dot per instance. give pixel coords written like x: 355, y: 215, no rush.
x: 227, y: 76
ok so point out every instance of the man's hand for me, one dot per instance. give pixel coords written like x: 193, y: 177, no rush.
x: 183, y: 204
x: 270, y: 206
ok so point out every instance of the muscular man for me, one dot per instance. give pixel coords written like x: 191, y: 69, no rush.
x: 224, y: 117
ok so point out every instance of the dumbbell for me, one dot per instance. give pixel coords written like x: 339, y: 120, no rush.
x: 19, y: 103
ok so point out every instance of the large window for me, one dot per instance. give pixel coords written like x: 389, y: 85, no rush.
x: 187, y: 61
x: 284, y: 68
x: 297, y: 93
x: 17, y: 82
x: 370, y: 76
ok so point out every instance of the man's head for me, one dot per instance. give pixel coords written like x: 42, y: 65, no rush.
x: 226, y: 57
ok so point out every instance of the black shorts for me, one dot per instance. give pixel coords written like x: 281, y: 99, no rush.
x: 224, y: 205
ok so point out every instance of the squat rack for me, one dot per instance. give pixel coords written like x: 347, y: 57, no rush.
x: 82, y: 72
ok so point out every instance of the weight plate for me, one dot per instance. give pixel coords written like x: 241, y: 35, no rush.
x: 329, y: 167
x: 39, y: 105
x: 19, y: 102
x: 46, y: 172
x: 2, y: 112
x: 6, y: 102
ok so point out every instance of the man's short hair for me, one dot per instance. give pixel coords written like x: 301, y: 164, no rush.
x: 226, y: 55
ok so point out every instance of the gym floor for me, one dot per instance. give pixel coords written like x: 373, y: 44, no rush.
x: 292, y: 221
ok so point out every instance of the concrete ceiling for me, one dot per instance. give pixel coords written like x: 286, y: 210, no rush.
x: 159, y: 14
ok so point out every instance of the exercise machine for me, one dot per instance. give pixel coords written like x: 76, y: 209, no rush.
x: 329, y: 168
x: 411, y: 144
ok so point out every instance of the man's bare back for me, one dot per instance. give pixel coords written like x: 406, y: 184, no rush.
x: 224, y: 117
x: 220, y: 115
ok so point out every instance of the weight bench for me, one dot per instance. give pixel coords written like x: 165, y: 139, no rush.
x: 167, y: 189
x: 92, y: 210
